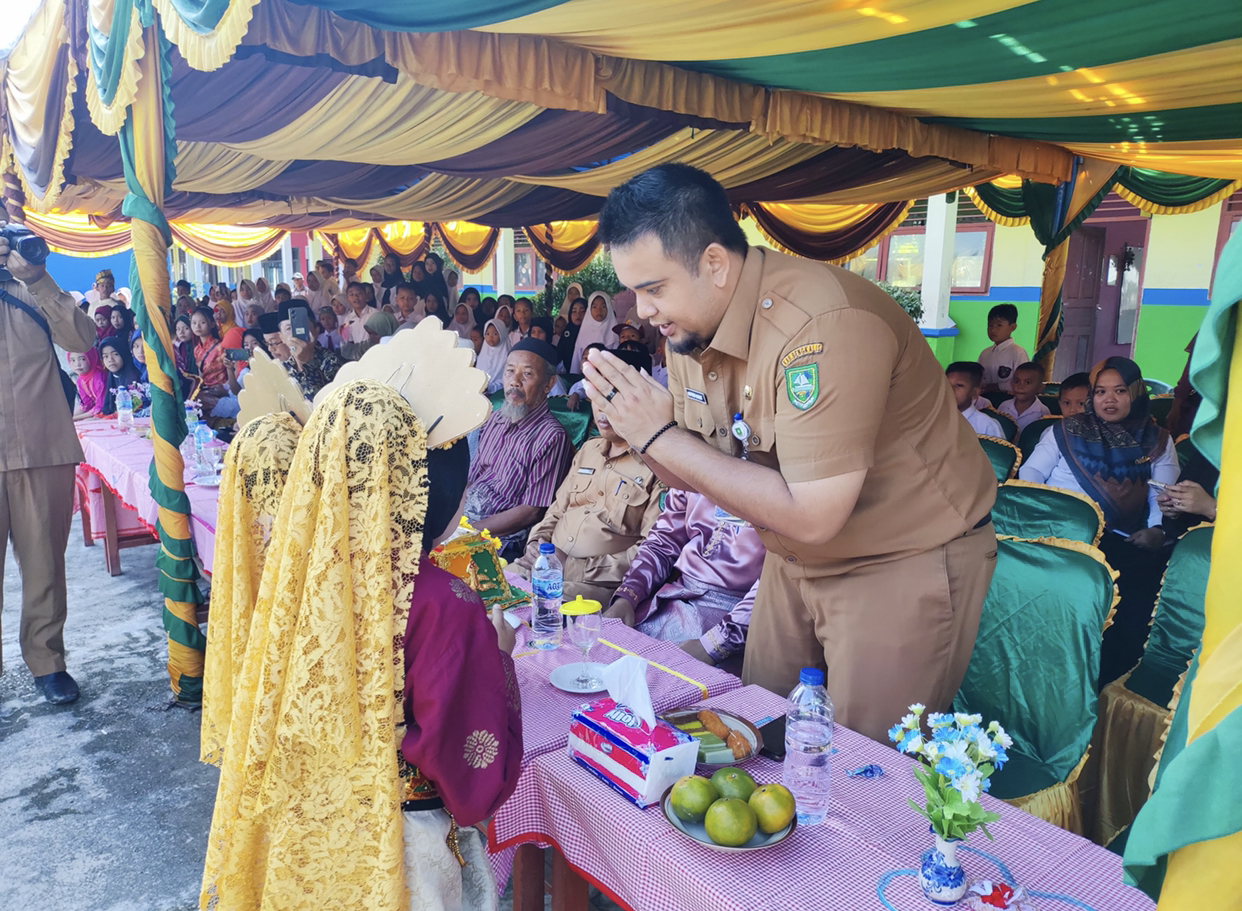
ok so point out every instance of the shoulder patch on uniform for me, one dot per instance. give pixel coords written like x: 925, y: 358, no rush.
x: 1003, y: 372
x: 802, y: 351
x: 802, y: 385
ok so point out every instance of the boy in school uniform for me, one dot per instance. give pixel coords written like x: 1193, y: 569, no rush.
x: 1002, y: 358
x: 1075, y: 390
x: 1025, y: 406
x: 965, y: 378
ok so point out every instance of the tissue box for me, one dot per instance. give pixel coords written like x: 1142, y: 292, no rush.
x: 608, y: 739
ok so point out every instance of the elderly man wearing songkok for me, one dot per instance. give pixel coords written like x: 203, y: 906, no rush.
x: 523, y: 451
x: 694, y: 579
x: 311, y: 366
x: 602, y: 513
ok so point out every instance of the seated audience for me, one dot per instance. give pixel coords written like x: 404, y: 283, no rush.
x: 1073, y: 395
x: 523, y: 451
x: 230, y: 332
x: 693, y: 579
x: 602, y: 513
x: 253, y: 312
x: 504, y: 313
x: 1025, y: 407
x: 263, y: 295
x: 209, y: 359
x: 103, y: 322
x: 380, y: 326
x: 966, y: 379
x: 463, y: 321
x: 523, y: 313
x: 410, y: 309
x: 433, y: 305
x: 632, y: 330
x: 491, y: 359
x: 596, y: 327
x: 1110, y: 452
x: 114, y: 354
x: 353, y: 324
x: 280, y: 296
x: 330, y: 335
x: 92, y: 381
x: 122, y: 320
x: 311, y: 366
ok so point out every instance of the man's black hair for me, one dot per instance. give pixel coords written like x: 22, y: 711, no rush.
x: 1076, y: 381
x: 973, y: 369
x: 1031, y: 367
x: 1007, y: 312
x: 682, y: 206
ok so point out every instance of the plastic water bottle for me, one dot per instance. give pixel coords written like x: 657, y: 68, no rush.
x: 808, y: 746
x: 548, y: 582
x: 124, y: 409
x: 202, y: 439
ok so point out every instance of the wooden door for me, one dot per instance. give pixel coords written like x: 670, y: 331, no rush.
x: 1080, y: 301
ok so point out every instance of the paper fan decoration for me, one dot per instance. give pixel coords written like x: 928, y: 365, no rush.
x: 269, y: 388
x: 432, y: 373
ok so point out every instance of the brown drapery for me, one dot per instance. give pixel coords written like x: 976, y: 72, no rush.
x: 839, y: 234
x: 469, y: 245
x: 565, y: 246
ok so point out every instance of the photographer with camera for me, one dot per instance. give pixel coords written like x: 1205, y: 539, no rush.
x: 39, y: 448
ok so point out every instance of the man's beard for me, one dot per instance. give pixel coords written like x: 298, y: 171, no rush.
x: 691, y: 343
x: 514, y: 412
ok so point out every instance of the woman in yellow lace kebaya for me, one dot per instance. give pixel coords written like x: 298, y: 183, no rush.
x: 361, y: 651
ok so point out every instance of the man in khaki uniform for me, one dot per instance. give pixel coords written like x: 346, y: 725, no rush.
x: 602, y: 513
x: 38, y: 451
x: 830, y: 427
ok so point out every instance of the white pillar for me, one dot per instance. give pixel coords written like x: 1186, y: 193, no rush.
x: 506, y: 263
x: 938, y: 241
x: 196, y: 268
x: 286, y: 260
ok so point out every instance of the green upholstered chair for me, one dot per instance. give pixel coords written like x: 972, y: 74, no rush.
x: 1003, y: 455
x: 576, y: 423
x: 997, y: 397
x: 1028, y: 439
x: 1008, y: 424
x: 1134, y: 709
x: 1034, y: 669
x: 1161, y: 405
x: 1025, y: 509
x: 1052, y: 398
x: 1185, y: 450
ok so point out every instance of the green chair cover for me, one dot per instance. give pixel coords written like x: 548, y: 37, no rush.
x: 1003, y: 455
x: 1037, y: 657
x: 1029, y: 438
x: 1008, y: 424
x: 1052, y: 399
x: 1185, y: 450
x: 997, y: 397
x: 1177, y: 626
x: 576, y: 423
x: 1027, y: 510
x: 1161, y: 405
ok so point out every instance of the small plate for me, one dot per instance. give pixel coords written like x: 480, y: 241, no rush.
x: 697, y: 832
x: 678, y: 717
x: 564, y: 677
x: 208, y: 480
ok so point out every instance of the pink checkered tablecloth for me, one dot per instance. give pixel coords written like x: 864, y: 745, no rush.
x: 862, y: 857
x: 123, y: 461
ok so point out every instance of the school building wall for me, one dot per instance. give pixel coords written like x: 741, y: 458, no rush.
x: 1177, y: 272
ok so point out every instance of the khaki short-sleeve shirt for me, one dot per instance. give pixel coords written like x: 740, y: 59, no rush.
x: 831, y: 376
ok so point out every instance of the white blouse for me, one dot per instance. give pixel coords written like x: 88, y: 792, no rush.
x: 1047, y: 466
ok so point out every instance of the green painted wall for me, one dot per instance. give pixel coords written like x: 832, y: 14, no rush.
x: 1163, y: 334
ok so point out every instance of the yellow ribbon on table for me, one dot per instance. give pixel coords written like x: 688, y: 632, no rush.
x: 668, y: 670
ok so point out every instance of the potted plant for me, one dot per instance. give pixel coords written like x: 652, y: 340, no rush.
x: 956, y: 759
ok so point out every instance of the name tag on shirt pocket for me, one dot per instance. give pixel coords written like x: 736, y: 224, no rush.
x: 696, y: 396
x: 586, y: 471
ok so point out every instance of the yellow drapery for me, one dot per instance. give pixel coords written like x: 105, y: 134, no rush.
x: 820, y: 219
x: 437, y: 198
x: 712, y: 30
x: 226, y: 246
x: 76, y: 235
x: 111, y: 117
x: 404, y: 237
x: 368, y: 120
x: 1206, y: 874
x: 207, y: 167
x: 469, y: 238
x: 1188, y: 78
x: 930, y: 177
x: 1207, y: 158
x: 564, y: 235
x: 1151, y: 208
x: 212, y: 50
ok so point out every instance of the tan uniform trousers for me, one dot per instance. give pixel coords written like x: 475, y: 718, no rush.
x: 888, y: 634
x: 36, y: 509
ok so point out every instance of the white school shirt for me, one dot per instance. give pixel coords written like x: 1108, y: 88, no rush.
x: 1037, y: 410
x: 1000, y: 361
x: 982, y: 423
x: 1048, y: 466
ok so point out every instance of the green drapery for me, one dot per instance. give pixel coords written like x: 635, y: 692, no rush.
x: 576, y: 423
x: 1168, y: 189
x: 107, y: 52
x: 201, y: 15
x: 429, y: 17
x: 178, y: 570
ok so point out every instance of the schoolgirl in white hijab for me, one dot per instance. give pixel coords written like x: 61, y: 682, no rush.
x: 596, y: 327
x: 491, y: 359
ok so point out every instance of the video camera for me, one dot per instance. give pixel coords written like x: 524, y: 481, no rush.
x: 25, y: 243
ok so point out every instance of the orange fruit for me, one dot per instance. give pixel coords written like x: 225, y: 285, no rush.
x: 730, y: 822
x: 691, y: 797
x: 774, y: 807
x: 734, y: 783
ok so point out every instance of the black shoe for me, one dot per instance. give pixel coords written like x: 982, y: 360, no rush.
x: 58, y: 688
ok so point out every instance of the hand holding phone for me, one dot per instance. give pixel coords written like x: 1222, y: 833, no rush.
x: 299, y: 323
x: 237, y: 354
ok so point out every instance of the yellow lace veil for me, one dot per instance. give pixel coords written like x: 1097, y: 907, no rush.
x: 308, y: 814
x: 255, y: 469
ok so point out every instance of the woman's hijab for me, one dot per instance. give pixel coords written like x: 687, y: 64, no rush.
x: 572, y: 292
x: 104, y: 331
x: 441, y: 312
x: 92, y: 385
x: 126, y: 376
x: 263, y: 295
x: 593, y: 330
x: 491, y: 359
x: 1112, y: 459
x: 434, y: 282
x: 460, y: 325
x: 245, y: 297
x: 382, y: 324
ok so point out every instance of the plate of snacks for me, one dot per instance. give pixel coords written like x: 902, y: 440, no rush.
x: 730, y: 811
x: 723, y: 738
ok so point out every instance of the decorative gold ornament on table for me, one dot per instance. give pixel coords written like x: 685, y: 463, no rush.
x: 268, y: 389
x: 432, y: 373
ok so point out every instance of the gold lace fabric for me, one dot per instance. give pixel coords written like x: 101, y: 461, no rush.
x: 256, y: 467
x: 308, y: 811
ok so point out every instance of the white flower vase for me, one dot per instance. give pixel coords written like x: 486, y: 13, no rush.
x: 941, y: 876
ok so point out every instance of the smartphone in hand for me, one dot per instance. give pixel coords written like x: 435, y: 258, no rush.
x: 241, y: 355
x: 299, y: 322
